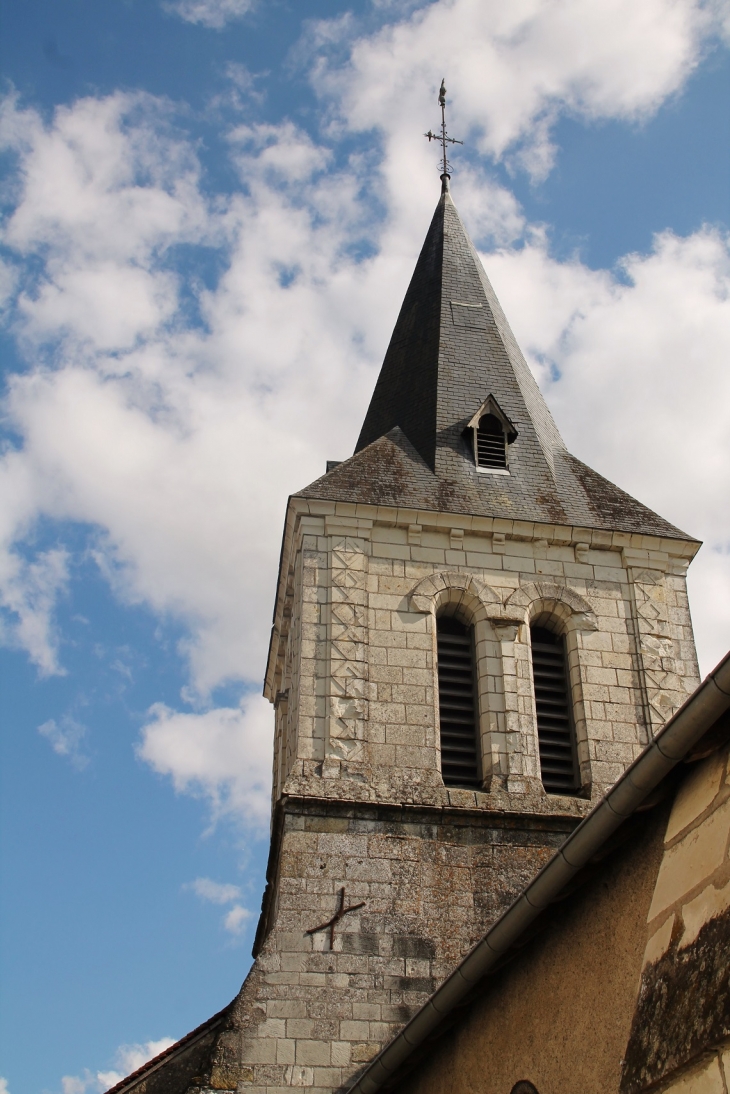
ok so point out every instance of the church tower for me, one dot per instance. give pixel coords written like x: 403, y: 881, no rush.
x: 474, y: 634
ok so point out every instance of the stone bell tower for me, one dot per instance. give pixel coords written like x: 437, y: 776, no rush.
x: 474, y: 634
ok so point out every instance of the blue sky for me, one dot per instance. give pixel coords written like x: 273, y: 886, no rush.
x: 211, y: 210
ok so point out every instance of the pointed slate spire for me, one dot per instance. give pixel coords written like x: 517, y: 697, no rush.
x: 451, y: 351
x: 451, y: 348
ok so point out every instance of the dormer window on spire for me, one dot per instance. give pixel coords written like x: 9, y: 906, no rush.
x: 490, y: 432
x: 491, y: 443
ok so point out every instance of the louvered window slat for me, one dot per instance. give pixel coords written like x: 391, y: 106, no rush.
x: 491, y: 446
x: 457, y: 703
x: 554, y: 722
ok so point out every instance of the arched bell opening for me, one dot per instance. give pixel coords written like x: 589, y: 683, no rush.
x: 555, y: 726
x: 458, y: 702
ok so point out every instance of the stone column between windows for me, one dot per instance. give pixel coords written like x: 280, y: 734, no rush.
x: 518, y: 765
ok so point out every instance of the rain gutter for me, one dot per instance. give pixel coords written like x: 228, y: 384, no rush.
x: 681, y: 733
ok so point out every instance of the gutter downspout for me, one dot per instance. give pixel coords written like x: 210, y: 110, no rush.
x: 683, y: 730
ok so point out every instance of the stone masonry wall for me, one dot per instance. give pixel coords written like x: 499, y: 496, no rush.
x: 429, y: 881
x: 360, y: 805
x: 362, y: 716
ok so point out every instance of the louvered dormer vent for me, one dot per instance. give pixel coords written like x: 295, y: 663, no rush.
x: 491, y: 443
x: 488, y: 434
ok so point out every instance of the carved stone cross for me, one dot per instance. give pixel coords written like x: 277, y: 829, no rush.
x: 332, y: 923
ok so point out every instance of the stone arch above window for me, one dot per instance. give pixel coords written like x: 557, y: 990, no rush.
x: 546, y: 598
x: 460, y: 591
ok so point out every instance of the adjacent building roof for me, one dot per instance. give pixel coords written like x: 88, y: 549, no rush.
x: 451, y: 349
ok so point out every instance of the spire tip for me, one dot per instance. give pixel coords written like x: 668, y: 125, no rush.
x: 444, y: 139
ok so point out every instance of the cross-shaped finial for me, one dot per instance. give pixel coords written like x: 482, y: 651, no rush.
x: 445, y: 139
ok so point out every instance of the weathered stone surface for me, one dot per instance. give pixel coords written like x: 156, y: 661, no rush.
x: 683, y: 1007
x: 434, y: 865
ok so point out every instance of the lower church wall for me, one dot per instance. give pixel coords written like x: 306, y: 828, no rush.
x: 431, y: 882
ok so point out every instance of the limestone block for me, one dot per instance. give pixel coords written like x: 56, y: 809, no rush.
x: 408, y: 658
x: 703, y: 1078
x: 694, y: 858
x: 659, y: 942
x: 285, y: 1051
x: 313, y: 1052
x: 354, y: 1031
x: 392, y: 550
x: 605, y: 676
x: 272, y: 1027
x: 299, y: 1076
x: 258, y: 1051
x: 326, y: 1079
x: 341, y: 1052
x: 362, y: 1053
x: 696, y: 793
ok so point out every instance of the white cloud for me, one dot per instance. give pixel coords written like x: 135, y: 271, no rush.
x: 214, y: 891
x: 75, y: 1084
x: 4, y: 1088
x: 520, y: 65
x: 235, y: 921
x: 223, y: 756
x: 29, y: 591
x: 640, y: 385
x: 104, y: 1080
x: 128, y: 1058
x: 708, y: 582
x: 213, y: 14
x: 176, y: 440
x: 281, y: 152
x: 236, y: 918
x: 162, y: 434
x: 66, y: 739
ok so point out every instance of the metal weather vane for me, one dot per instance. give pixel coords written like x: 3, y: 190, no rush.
x: 444, y: 138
